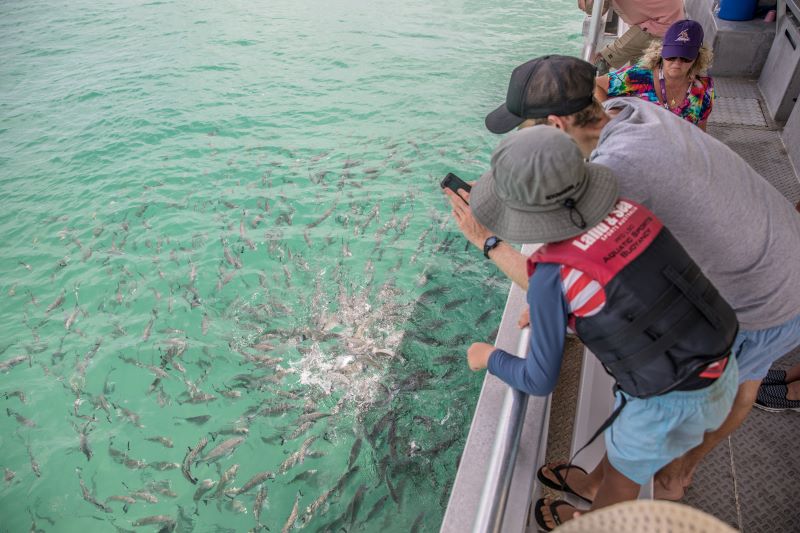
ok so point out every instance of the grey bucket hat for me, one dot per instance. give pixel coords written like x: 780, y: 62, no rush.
x: 540, y: 190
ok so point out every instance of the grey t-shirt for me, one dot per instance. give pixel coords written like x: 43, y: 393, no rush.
x: 742, y: 232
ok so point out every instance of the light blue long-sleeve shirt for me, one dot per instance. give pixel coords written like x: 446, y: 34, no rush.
x: 538, y: 373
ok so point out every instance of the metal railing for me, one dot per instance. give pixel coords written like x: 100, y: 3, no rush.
x: 494, y: 482
x: 597, y: 25
x: 494, y: 497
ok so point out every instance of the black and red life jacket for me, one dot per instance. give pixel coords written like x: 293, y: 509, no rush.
x: 663, y: 321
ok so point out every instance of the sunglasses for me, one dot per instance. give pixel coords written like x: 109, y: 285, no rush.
x: 681, y: 59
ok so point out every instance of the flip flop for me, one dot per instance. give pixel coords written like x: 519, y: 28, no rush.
x: 772, y: 398
x: 554, y: 505
x: 774, y: 377
x: 562, y: 483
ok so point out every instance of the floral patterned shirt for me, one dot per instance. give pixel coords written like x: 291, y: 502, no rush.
x: 638, y: 81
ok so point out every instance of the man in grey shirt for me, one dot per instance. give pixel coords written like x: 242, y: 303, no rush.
x: 741, y: 231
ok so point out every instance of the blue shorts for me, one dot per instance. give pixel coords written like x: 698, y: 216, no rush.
x: 756, y: 350
x: 649, y: 433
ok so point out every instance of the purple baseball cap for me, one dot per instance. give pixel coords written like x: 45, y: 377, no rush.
x: 683, y: 39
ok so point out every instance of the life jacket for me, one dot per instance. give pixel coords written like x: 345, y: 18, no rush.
x: 663, y: 321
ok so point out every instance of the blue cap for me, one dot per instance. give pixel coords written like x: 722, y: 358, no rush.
x: 683, y: 39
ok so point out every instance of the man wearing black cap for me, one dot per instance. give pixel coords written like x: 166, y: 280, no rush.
x: 665, y: 338
x: 741, y: 231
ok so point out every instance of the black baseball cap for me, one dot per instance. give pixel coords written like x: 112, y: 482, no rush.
x: 548, y: 85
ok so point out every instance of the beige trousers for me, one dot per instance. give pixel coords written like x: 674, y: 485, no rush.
x: 628, y: 48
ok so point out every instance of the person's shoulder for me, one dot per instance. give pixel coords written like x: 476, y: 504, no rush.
x: 703, y: 90
x: 624, y: 106
x: 546, y: 270
x: 639, y: 68
x: 631, y: 71
x: 706, y: 81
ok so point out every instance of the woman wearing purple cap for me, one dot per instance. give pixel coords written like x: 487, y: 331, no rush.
x: 669, y: 75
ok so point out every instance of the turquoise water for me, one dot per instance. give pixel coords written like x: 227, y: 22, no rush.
x: 221, y: 221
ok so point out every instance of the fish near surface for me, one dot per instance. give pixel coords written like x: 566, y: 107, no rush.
x: 296, y: 457
x: 86, y: 449
x: 191, y: 455
x: 34, y: 465
x: 355, y: 504
x: 376, y: 508
x: 70, y: 320
x: 56, y: 303
x: 27, y: 422
x: 261, y: 497
x: 147, y: 329
x: 226, y: 478
x: 204, y: 486
x: 198, y: 420
x: 91, y: 499
x: 255, y: 480
x: 160, y: 519
x: 415, y: 527
x: 16, y: 393
x: 225, y: 448
x: 304, y: 476
x: 354, y: 452
x: 8, y: 364
x: 292, y: 516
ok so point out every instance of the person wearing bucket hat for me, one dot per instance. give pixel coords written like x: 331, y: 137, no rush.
x: 670, y: 74
x: 546, y: 194
x: 601, y: 274
x: 739, y: 228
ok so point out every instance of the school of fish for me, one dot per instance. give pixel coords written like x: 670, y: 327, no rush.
x: 293, y: 372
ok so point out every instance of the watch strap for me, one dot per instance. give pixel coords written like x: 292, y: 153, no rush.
x: 490, y: 244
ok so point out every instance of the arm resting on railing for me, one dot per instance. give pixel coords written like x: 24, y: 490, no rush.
x: 537, y: 374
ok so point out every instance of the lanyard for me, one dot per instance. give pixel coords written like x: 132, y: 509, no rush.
x: 663, y: 84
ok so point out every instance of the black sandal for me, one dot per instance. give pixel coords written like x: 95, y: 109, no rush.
x: 562, y: 482
x: 554, y: 505
x: 773, y: 398
x: 775, y: 377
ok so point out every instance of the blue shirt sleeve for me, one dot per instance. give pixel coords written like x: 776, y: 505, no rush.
x: 538, y: 373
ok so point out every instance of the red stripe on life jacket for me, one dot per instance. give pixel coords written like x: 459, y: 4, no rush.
x: 715, y: 369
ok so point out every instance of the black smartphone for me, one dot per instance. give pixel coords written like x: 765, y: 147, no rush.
x: 453, y: 182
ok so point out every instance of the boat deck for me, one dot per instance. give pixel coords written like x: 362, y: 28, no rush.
x: 751, y: 481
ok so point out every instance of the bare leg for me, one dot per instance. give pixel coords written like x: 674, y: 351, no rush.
x: 668, y: 482
x: 793, y: 374
x: 615, y: 487
x: 672, y: 480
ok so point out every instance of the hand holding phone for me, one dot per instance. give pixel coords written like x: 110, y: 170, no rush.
x: 453, y: 182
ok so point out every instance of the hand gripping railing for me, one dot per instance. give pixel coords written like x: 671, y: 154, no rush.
x: 597, y: 24
x: 503, y: 456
